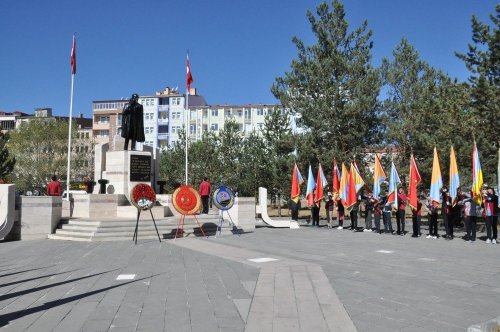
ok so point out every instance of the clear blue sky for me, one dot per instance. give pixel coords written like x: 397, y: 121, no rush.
x: 236, y: 47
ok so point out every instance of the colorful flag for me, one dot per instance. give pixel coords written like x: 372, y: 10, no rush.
x: 343, y: 184
x: 336, y: 180
x: 73, y: 57
x: 414, y: 181
x: 311, y: 185
x: 436, y: 179
x: 297, y: 180
x: 393, y: 186
x: 352, y: 192
x: 321, y: 182
x: 189, y: 76
x: 477, y: 176
x: 378, y: 177
x: 358, y: 180
x: 454, y: 177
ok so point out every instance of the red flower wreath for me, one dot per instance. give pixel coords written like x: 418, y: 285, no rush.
x: 143, y: 196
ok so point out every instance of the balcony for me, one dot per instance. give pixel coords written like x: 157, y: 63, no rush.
x: 162, y: 121
x: 163, y: 108
x: 162, y: 136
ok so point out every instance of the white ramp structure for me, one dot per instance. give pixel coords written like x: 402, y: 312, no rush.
x: 262, y: 208
x: 7, y: 208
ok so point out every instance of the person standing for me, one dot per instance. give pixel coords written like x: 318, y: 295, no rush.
x: 329, y: 209
x: 340, y: 213
x: 433, y: 216
x: 133, y: 122
x: 353, y: 214
x: 489, y: 202
x: 470, y: 214
x: 204, y: 190
x: 54, y: 187
x: 446, y: 211
x: 400, y: 214
x: 387, y: 213
x: 315, y: 212
x: 294, y: 208
x: 377, y: 213
x: 416, y: 219
x: 369, y: 203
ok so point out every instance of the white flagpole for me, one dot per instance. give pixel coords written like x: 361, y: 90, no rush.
x: 73, y: 71
x: 187, y: 133
x: 69, y: 136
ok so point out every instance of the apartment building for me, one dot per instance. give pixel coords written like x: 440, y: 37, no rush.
x: 165, y: 117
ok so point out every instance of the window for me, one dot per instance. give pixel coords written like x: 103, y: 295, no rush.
x: 86, y: 135
x: 176, y: 101
x: 119, y: 119
x: 176, y: 115
x: 192, y: 129
x: 240, y: 113
x: 104, y: 119
x: 248, y: 114
x: 148, y: 130
x: 176, y: 129
x: 260, y: 111
x: 227, y: 113
x: 103, y: 133
x: 214, y: 127
x: 215, y: 112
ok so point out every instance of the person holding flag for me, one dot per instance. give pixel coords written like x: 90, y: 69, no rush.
x: 378, y: 178
x: 413, y: 199
x: 297, y: 181
x: 321, y: 182
x: 311, y: 200
x: 342, y: 198
x: 434, y: 197
x: 392, y: 197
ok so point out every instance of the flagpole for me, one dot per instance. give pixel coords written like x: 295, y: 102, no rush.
x: 69, y: 136
x: 186, y: 129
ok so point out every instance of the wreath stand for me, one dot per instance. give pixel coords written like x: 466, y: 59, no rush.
x: 231, y: 223
x: 136, y: 232
x: 181, y: 224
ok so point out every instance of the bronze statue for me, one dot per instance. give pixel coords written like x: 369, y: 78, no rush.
x: 133, y: 122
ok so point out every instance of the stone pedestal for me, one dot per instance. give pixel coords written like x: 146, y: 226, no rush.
x: 125, y: 168
x: 39, y: 216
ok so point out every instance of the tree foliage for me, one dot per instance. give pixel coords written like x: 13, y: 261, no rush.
x: 423, y: 108
x: 333, y: 85
x: 41, y: 149
x: 7, y: 162
x: 483, y: 62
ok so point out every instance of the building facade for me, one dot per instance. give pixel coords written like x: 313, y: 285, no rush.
x: 165, y: 117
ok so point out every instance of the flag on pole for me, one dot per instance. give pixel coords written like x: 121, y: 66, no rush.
x: 477, y: 176
x: 343, y: 185
x: 358, y: 180
x: 321, y: 182
x: 297, y: 180
x: 414, y: 181
x: 454, y: 177
x: 336, y: 180
x: 73, y: 56
x: 378, y: 177
x: 352, y: 192
x: 436, y: 179
x: 393, y: 186
x: 311, y: 185
x: 189, y: 76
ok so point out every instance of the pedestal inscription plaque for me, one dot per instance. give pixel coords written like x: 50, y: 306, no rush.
x: 140, y: 168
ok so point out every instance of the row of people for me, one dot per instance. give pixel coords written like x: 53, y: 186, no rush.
x: 380, y: 210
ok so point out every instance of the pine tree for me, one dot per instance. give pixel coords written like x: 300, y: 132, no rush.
x: 483, y: 62
x: 333, y: 85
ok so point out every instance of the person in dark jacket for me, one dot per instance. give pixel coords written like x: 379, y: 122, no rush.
x: 133, y: 122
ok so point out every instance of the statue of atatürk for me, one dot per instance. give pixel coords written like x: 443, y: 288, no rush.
x: 133, y: 122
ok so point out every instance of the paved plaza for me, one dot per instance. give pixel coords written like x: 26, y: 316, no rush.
x: 307, y: 279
